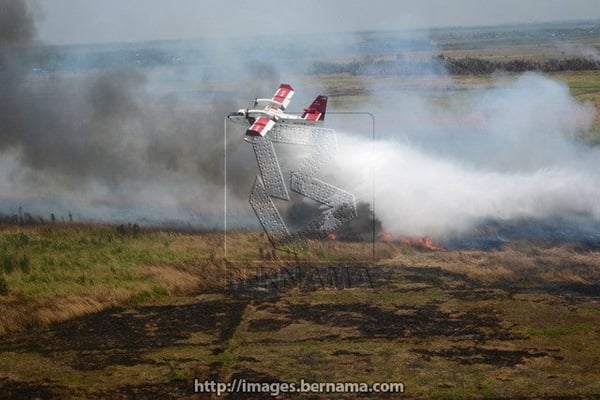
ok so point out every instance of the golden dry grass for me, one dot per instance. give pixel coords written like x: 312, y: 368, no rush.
x: 513, y: 263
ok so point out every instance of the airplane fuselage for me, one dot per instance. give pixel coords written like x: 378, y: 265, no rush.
x: 248, y: 116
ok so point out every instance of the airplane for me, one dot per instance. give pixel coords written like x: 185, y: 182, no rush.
x: 268, y: 112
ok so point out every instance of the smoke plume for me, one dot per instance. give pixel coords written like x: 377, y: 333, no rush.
x: 16, y: 23
x: 109, y: 142
x: 507, y: 153
x: 124, y: 134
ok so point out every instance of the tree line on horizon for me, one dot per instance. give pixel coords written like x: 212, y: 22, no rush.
x: 481, y: 66
x: 455, y: 66
x: 27, y: 218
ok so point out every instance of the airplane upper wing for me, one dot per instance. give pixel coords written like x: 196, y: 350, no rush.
x: 279, y: 101
x: 283, y: 95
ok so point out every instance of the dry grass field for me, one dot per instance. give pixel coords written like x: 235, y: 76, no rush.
x: 119, y: 322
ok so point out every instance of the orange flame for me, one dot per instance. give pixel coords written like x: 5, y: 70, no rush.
x: 331, y: 236
x: 422, y: 243
x: 385, y: 237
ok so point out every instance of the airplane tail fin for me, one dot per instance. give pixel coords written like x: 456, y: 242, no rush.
x: 316, y: 111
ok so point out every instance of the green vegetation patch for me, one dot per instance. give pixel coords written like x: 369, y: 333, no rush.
x: 44, y: 262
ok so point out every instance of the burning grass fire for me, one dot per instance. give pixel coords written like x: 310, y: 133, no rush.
x: 422, y: 243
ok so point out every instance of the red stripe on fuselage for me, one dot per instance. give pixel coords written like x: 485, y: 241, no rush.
x: 311, y: 115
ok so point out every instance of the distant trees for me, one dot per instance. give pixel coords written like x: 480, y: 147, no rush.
x: 480, y: 66
x: 455, y: 66
x: 26, y: 218
x: 371, y: 66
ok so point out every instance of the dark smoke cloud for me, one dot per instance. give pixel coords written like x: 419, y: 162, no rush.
x: 16, y: 23
x: 106, y: 137
x: 98, y: 128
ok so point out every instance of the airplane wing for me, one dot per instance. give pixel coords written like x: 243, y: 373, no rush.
x: 283, y: 95
x: 279, y: 101
x: 261, y: 126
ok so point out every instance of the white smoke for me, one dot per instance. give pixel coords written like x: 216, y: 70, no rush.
x: 505, y: 153
x: 579, y: 50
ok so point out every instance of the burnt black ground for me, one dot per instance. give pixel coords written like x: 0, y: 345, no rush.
x: 122, y: 335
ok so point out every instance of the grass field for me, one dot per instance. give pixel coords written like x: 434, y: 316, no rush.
x: 55, y: 272
x: 51, y: 273
x: 120, y: 314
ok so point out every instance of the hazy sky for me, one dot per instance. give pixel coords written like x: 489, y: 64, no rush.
x: 80, y: 21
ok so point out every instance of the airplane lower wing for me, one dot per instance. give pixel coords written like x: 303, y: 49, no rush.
x: 261, y: 126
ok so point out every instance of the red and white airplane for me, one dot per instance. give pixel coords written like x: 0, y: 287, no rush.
x: 267, y: 112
